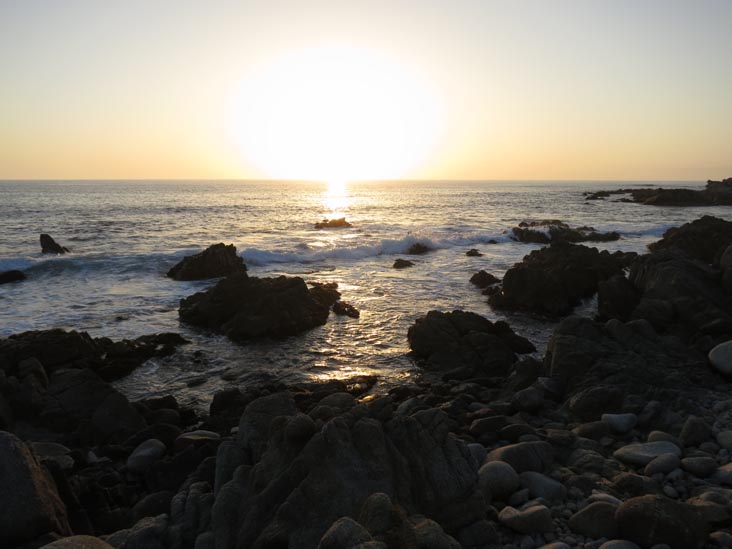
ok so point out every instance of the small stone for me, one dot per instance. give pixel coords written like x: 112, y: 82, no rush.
x: 670, y: 491
x: 619, y: 544
x: 542, y: 486
x: 643, y: 453
x: 701, y: 467
x: 195, y: 438
x: 658, y: 436
x: 664, y: 463
x: 695, y: 431
x: 499, y: 479
x: 620, y: 423
x: 536, y: 518
x: 721, y: 538
x: 525, y: 456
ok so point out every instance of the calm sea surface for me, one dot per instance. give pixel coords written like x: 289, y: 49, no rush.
x: 125, y: 235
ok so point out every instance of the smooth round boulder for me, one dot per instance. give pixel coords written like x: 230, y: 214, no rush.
x: 720, y: 357
x: 145, y: 455
x: 525, y: 456
x: 724, y: 439
x: 665, y: 463
x: 498, y: 479
x: 542, y: 486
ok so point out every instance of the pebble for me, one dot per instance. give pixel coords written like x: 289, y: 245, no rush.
x: 695, y: 431
x: 620, y: 423
x: 721, y: 538
x: 701, y: 467
x: 644, y: 452
x: 724, y: 439
x: 619, y: 544
x: 597, y: 520
x: 542, y: 486
x: 658, y: 436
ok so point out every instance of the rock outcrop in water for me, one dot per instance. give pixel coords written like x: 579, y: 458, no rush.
x: 245, y: 308
x: 11, y: 276
x: 459, y: 339
x: 50, y: 246
x: 339, y: 223
x: 214, y: 262
x: 402, y: 263
x: 553, y: 280
x: 716, y: 193
x: 554, y: 230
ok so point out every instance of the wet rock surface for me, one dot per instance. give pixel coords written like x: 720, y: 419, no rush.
x: 554, y: 230
x: 50, y: 246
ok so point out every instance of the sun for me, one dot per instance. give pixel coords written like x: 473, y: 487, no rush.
x: 335, y: 114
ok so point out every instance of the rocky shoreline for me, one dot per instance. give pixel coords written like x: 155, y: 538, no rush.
x: 620, y: 436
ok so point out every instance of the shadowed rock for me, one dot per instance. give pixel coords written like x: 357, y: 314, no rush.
x: 463, y: 339
x: 553, y: 280
x: 50, y: 246
x: 11, y: 276
x: 554, y: 230
x: 245, y: 308
x: 215, y: 261
x: 31, y: 504
x: 402, y: 263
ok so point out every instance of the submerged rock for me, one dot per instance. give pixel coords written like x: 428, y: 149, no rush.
x: 345, y: 309
x: 11, y: 276
x: 418, y: 249
x: 463, y: 339
x: 50, y: 246
x: 245, y: 308
x: 402, y: 263
x: 333, y: 223
x: 215, y: 261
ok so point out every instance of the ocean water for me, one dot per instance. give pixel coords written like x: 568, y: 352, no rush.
x: 124, y: 236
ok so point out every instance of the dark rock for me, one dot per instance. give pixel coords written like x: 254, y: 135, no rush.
x: 31, y: 504
x: 554, y: 230
x: 116, y: 419
x: 525, y: 456
x: 11, y: 276
x: 531, y: 520
x: 402, y: 263
x: 704, y: 239
x: 345, y: 309
x: 152, y: 505
x: 344, y: 533
x: 555, y: 279
x: 482, y: 279
x: 123, y: 357
x: 215, y: 261
x: 333, y: 223
x: 651, y: 520
x: 593, y: 402
x: 716, y: 193
x: 78, y: 542
x: 53, y: 348
x: 418, y: 249
x: 50, y: 246
x: 617, y: 297
x: 460, y: 338
x: 595, y: 521
x: 73, y: 395
x: 245, y: 308
x: 695, y: 431
x: 630, y: 357
x: 472, y: 252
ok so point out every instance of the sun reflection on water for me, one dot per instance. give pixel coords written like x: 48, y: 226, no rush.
x: 337, y: 198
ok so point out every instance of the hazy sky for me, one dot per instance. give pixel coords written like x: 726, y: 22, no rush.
x: 527, y: 90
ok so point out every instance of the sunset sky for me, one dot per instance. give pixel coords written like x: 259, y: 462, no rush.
x: 423, y: 89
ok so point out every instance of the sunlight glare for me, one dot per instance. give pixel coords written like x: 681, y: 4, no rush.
x: 335, y: 114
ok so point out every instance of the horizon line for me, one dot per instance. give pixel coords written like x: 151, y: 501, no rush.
x: 403, y: 180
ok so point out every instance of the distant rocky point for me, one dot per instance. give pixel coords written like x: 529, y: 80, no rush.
x: 716, y: 193
x: 215, y: 261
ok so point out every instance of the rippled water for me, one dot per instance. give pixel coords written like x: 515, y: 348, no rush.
x: 125, y: 235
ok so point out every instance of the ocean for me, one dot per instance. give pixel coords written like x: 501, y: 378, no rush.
x: 125, y: 235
